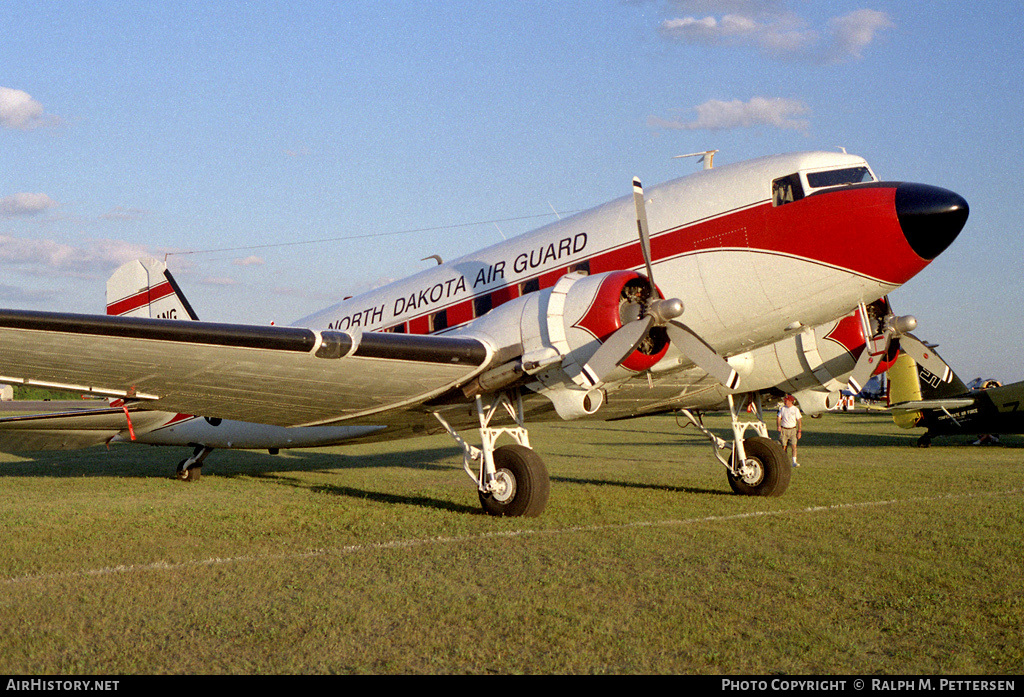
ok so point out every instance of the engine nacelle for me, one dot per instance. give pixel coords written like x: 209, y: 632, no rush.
x: 813, y: 364
x: 556, y: 331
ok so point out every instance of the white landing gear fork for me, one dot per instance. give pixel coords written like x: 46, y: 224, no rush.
x: 757, y: 466
x: 512, y: 480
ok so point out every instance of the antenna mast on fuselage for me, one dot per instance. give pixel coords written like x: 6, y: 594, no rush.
x: 707, y: 157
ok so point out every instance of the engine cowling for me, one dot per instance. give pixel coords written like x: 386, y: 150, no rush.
x: 813, y: 364
x: 556, y: 330
x: 574, y: 318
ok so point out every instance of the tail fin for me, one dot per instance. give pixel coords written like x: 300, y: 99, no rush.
x: 909, y: 382
x: 904, y: 383
x: 145, y: 288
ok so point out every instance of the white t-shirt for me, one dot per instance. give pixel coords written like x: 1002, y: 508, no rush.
x: 789, y: 416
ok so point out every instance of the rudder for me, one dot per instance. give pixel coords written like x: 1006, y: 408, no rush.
x: 146, y: 288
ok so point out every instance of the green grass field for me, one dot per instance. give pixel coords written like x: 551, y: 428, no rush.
x: 880, y: 558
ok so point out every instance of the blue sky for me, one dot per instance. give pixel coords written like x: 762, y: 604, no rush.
x: 289, y: 154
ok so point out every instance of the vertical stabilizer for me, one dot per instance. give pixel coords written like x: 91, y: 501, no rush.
x: 145, y: 288
x: 909, y: 382
x: 904, y: 385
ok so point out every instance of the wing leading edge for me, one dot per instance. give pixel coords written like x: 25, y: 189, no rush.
x: 285, y: 376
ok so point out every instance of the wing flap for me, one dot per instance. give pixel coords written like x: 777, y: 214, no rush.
x: 68, y: 430
x: 285, y: 376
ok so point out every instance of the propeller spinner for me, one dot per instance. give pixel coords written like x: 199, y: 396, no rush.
x: 656, y: 312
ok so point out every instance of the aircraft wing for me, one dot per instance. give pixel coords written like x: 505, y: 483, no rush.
x: 285, y: 376
x: 68, y: 430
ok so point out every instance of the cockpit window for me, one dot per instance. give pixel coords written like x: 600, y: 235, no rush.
x: 786, y: 190
x: 839, y: 177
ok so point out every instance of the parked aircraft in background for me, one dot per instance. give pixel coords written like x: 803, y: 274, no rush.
x: 918, y: 399
x: 782, y: 262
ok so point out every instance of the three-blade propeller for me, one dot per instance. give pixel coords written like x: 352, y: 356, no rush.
x: 656, y: 312
x: 893, y: 328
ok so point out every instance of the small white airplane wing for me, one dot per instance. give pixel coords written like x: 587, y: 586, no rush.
x: 285, y: 376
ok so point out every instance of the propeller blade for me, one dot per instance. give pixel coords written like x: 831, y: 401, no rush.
x: 641, y: 227
x: 616, y: 349
x: 925, y: 357
x: 698, y: 351
x: 862, y: 371
x: 875, y: 349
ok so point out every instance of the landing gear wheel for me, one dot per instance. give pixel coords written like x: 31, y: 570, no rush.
x: 924, y: 441
x: 188, y: 475
x: 766, y: 471
x: 523, y: 483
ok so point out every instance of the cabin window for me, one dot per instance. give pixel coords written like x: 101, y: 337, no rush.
x: 482, y: 305
x: 439, y: 320
x: 582, y: 267
x: 839, y: 177
x: 397, y: 329
x: 531, y: 286
x: 786, y: 190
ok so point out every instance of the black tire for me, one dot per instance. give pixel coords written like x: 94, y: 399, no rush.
x: 772, y: 479
x: 188, y: 475
x: 528, y: 478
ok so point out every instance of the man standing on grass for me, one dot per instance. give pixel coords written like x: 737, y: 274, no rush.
x: 790, y: 425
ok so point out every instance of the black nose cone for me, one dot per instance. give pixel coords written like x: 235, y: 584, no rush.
x: 930, y: 217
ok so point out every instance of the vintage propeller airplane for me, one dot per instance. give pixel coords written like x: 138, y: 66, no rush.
x: 779, y: 267
x: 918, y: 398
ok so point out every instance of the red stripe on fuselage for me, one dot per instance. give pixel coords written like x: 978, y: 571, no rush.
x: 146, y: 297
x: 854, y: 229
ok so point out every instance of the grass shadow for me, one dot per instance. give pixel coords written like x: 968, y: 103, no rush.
x: 132, y: 461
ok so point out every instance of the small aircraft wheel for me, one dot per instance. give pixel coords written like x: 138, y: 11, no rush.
x: 924, y: 441
x: 188, y: 475
x: 766, y: 471
x: 522, y: 482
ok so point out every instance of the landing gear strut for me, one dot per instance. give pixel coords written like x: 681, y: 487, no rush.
x: 512, y: 480
x: 191, y: 468
x: 756, y: 466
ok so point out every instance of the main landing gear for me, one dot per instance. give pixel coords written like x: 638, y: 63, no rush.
x: 512, y: 480
x: 756, y: 466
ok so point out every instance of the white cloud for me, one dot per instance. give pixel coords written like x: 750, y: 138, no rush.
x: 50, y: 256
x: 250, y: 260
x: 18, y: 110
x: 25, y: 204
x: 777, y: 32
x: 716, y: 115
x: 709, y: 29
x: 853, y: 32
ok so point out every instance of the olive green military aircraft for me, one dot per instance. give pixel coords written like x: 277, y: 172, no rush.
x: 919, y: 399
